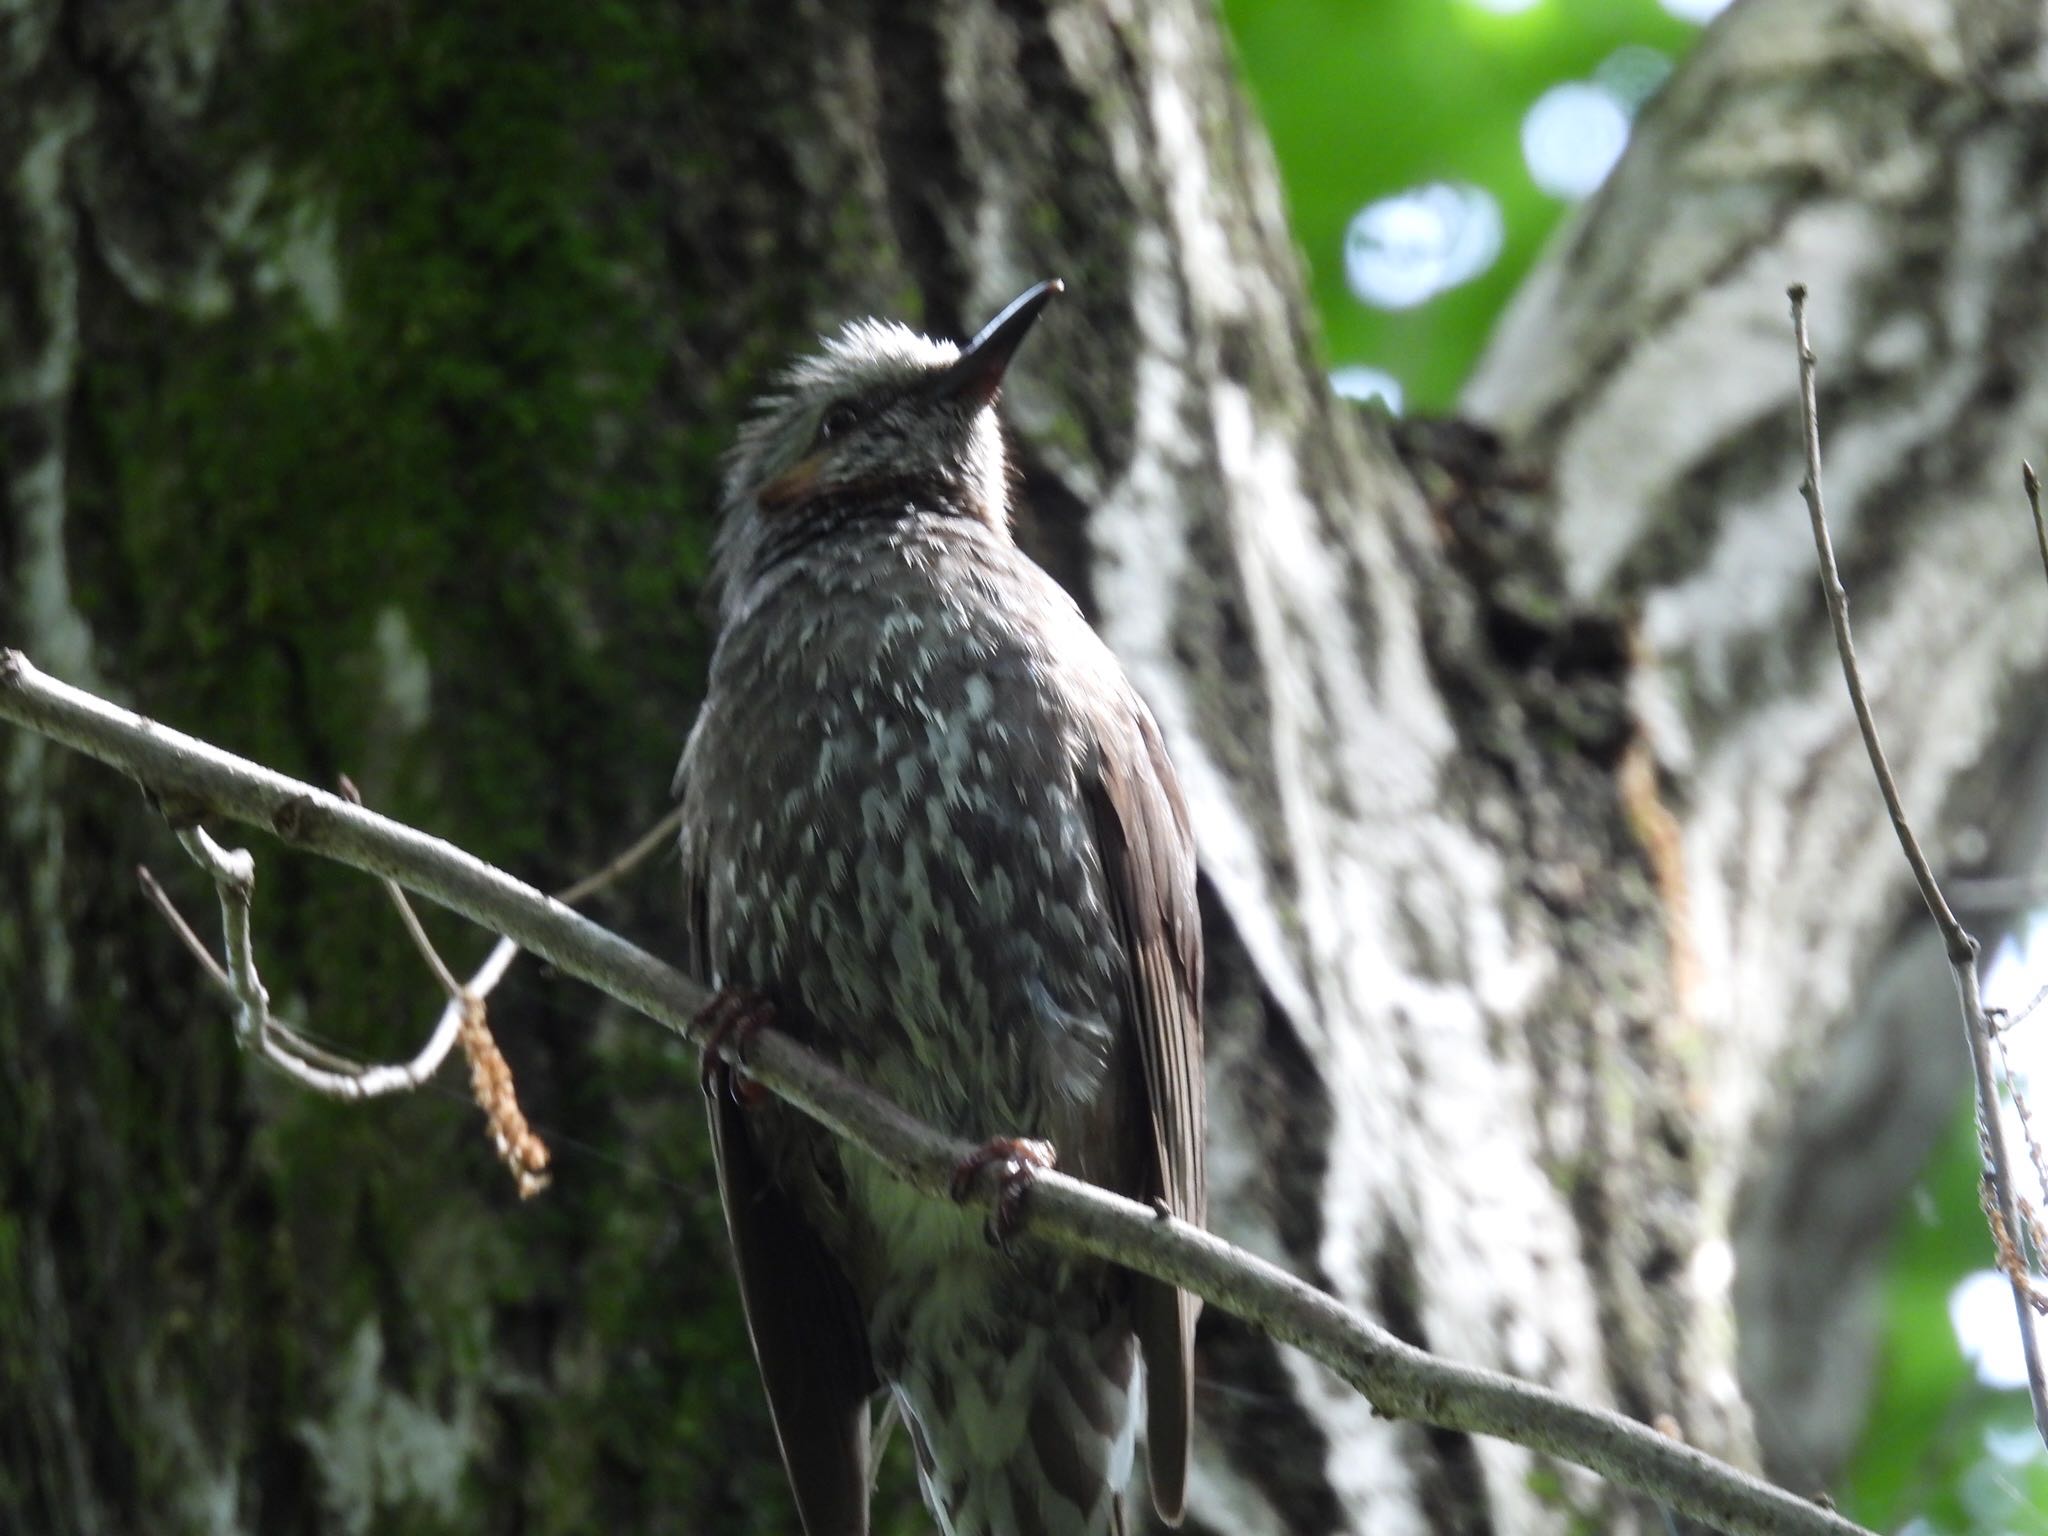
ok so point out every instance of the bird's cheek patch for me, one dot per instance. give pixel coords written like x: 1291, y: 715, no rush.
x: 793, y: 485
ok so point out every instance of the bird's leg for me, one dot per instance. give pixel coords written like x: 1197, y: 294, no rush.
x: 732, y: 1016
x: 1021, y: 1161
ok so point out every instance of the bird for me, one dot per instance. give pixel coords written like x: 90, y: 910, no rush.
x: 930, y: 829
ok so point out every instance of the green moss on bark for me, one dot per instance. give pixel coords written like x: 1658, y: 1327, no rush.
x: 498, y: 288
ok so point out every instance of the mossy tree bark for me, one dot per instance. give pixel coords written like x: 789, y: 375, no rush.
x: 362, y: 373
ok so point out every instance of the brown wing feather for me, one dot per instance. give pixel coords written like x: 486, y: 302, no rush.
x: 1147, y: 850
x: 807, y: 1337
x: 809, y: 1342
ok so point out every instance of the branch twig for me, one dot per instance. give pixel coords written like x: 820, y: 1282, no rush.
x: 519, y: 1148
x: 161, y: 900
x: 661, y: 835
x: 2031, y: 484
x: 463, y: 1019
x: 414, y: 928
x: 233, y: 872
x: 1961, y: 948
x: 1400, y: 1380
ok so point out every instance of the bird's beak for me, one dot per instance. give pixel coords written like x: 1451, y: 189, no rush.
x: 977, y: 374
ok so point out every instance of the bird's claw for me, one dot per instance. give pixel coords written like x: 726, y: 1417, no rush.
x: 1021, y: 1160
x: 732, y: 1017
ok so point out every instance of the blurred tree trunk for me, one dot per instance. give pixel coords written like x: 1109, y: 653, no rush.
x: 362, y: 372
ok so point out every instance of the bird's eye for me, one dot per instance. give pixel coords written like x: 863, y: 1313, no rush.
x: 837, y: 421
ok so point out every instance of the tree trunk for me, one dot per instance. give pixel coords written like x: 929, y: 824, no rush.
x: 1891, y: 162
x: 362, y: 372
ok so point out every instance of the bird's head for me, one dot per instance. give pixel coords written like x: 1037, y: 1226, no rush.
x: 879, y: 417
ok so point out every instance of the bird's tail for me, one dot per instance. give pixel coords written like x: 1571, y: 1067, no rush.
x: 1027, y: 1433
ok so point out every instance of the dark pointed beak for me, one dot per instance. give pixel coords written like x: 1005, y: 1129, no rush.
x: 978, y: 373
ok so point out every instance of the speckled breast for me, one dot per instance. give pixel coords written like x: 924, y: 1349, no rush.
x: 885, y: 800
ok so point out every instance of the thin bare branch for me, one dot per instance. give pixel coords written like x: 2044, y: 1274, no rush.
x: 274, y: 1034
x: 660, y: 835
x: 161, y: 900
x: 523, y: 1153
x: 2031, y: 484
x: 491, y: 1083
x: 311, y: 1051
x: 311, y: 1066
x: 234, y: 881
x: 413, y: 926
x: 1961, y: 947
x: 233, y: 872
x: 1400, y: 1380
x: 2005, y: 1020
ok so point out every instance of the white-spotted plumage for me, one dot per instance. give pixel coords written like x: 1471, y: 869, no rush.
x: 927, y: 817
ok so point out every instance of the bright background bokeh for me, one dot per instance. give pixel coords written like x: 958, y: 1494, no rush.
x: 1429, y: 148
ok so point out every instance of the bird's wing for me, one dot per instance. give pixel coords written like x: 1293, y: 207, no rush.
x: 1147, y: 849
x: 807, y: 1334
x: 809, y: 1342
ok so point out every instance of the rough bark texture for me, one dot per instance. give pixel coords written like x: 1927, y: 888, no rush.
x: 1889, y: 156
x: 361, y: 373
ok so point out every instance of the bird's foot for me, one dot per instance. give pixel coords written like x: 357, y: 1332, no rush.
x: 732, y: 1017
x: 1020, y: 1161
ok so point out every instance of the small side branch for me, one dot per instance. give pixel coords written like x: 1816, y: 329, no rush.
x: 2031, y: 484
x: 464, y: 1019
x: 414, y: 928
x: 1400, y: 1380
x: 1962, y: 949
x: 313, y: 1067
x: 519, y: 1148
x: 1960, y: 946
